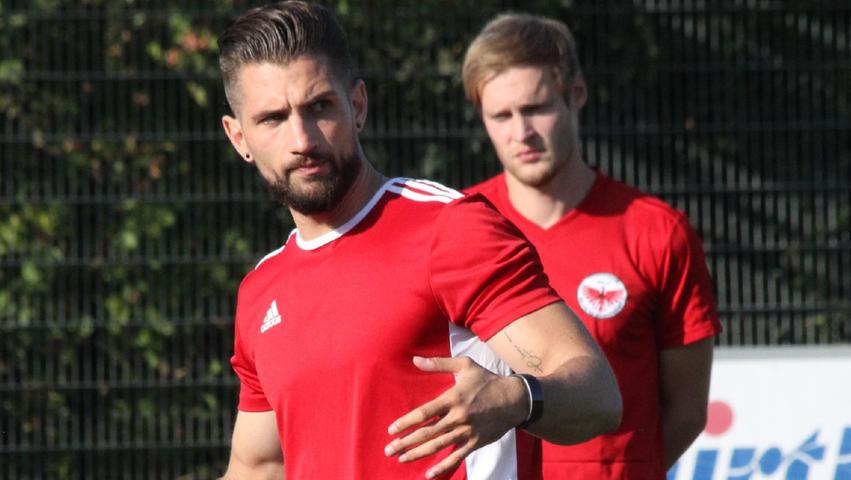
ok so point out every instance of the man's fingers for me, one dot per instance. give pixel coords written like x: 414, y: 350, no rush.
x: 439, y: 442
x: 452, y: 461
x: 435, y: 426
x: 419, y: 415
x: 420, y: 435
x: 441, y: 364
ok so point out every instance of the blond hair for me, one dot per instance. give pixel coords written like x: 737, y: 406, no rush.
x: 519, y: 39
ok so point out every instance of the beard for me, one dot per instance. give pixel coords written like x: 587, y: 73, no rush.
x: 538, y: 177
x: 549, y: 168
x: 319, y: 193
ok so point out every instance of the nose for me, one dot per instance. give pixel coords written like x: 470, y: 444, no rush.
x: 303, y: 135
x: 521, y: 128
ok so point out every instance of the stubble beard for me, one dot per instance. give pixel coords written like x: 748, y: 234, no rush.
x: 551, y: 167
x: 540, y: 177
x: 319, y: 193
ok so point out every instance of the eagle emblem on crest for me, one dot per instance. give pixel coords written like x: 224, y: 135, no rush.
x: 601, y: 295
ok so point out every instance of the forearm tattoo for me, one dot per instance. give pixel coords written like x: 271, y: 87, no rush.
x: 532, y: 361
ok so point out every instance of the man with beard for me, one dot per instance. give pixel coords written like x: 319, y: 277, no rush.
x: 376, y: 343
x: 627, y: 263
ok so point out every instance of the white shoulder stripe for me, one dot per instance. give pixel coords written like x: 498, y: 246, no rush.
x: 435, y: 188
x: 274, y: 252
x: 423, y: 190
x: 417, y: 196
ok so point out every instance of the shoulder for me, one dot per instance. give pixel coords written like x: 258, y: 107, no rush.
x: 268, y: 266
x: 416, y: 204
x: 657, y: 218
x: 654, y: 232
x: 451, y: 208
x: 422, y: 191
x: 644, y: 212
x: 469, y: 207
x: 473, y: 221
x: 266, y: 260
x: 482, y: 200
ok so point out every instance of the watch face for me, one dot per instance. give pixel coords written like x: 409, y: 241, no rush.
x: 601, y: 295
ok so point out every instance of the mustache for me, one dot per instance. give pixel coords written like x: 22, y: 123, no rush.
x: 533, y: 144
x: 309, y: 160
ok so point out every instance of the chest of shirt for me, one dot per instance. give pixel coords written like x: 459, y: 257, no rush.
x: 608, y: 283
x: 333, y: 313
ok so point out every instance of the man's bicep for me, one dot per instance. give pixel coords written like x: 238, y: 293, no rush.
x: 256, y: 447
x: 541, y: 341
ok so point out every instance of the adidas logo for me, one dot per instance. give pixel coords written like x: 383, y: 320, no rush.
x: 272, y: 317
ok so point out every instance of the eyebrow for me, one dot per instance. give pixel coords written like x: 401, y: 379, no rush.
x: 325, y: 94
x: 494, y: 113
x: 525, y: 106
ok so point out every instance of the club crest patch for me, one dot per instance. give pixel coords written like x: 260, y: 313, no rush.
x: 601, y: 295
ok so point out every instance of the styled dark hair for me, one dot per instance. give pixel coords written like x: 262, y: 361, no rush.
x: 279, y: 33
x: 519, y: 39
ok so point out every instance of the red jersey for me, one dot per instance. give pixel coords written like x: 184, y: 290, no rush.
x: 634, y: 272
x: 326, y: 329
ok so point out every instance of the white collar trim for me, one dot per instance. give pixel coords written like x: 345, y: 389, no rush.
x: 338, y: 232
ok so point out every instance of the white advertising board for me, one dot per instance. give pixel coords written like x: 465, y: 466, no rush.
x: 775, y: 413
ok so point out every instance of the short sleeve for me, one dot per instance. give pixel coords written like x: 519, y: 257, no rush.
x: 483, y: 272
x: 251, y: 396
x: 687, y: 305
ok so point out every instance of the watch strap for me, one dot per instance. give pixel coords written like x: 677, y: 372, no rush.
x: 536, y: 398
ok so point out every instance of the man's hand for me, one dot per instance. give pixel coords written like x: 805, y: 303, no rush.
x: 478, y: 410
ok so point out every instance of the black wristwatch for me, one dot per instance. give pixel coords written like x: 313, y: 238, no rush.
x: 536, y: 398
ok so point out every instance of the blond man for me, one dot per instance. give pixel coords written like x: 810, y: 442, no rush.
x: 628, y: 264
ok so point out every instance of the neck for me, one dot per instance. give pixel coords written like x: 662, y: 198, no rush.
x: 546, y: 204
x: 362, y: 190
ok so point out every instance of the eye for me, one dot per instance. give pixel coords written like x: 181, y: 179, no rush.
x: 540, y: 108
x: 500, y: 116
x: 533, y: 109
x: 273, y: 118
x: 319, y: 106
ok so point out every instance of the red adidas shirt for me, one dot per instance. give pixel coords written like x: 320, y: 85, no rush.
x: 326, y: 329
x: 633, y: 270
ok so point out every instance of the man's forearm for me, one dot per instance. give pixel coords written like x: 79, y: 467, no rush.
x: 581, y: 395
x: 581, y: 400
x: 679, y: 430
x: 684, y: 393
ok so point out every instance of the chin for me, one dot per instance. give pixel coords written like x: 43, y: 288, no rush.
x: 537, y: 177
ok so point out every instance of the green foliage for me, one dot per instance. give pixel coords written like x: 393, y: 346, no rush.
x: 97, y: 262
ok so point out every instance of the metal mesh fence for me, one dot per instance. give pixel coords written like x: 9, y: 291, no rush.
x: 126, y: 222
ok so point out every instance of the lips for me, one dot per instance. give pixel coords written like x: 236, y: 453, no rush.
x: 529, y: 155
x: 311, y: 168
x: 309, y: 165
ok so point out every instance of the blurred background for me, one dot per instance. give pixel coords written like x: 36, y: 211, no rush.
x: 127, y: 221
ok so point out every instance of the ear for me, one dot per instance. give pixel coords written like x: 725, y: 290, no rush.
x: 233, y: 129
x: 359, y: 103
x: 578, y: 92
